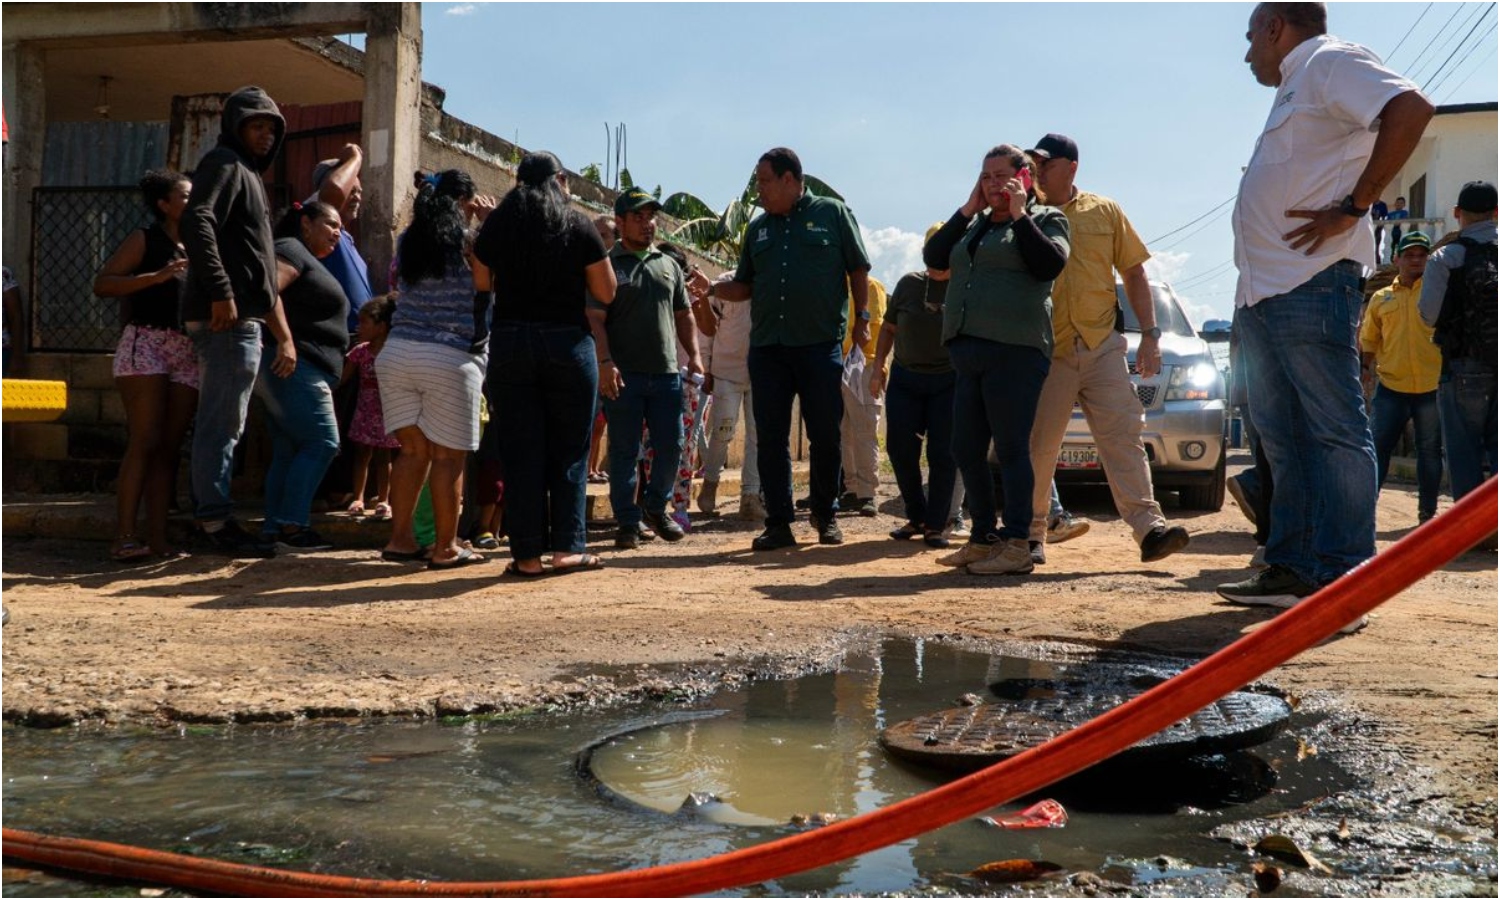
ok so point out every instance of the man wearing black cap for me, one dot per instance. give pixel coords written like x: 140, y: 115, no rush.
x: 1459, y: 298
x: 1088, y: 355
x: 1340, y: 127
x: 638, y: 374
x: 802, y: 266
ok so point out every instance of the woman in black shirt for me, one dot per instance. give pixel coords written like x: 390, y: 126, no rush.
x: 543, y: 377
x: 155, y: 367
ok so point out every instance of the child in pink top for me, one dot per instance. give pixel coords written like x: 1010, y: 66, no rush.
x: 367, y: 430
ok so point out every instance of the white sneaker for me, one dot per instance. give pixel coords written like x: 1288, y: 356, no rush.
x: 751, y: 508
x: 1011, y: 557
x: 969, y: 553
x: 958, y: 528
x: 1065, y: 528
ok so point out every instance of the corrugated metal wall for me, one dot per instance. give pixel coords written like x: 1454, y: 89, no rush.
x: 103, y: 153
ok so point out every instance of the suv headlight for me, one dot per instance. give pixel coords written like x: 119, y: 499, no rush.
x: 1194, y: 381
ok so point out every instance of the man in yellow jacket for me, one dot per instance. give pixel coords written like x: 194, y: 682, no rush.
x: 862, y: 416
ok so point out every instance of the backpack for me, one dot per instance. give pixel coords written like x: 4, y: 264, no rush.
x: 1467, y: 324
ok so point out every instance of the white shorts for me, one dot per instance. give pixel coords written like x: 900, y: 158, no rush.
x: 433, y: 387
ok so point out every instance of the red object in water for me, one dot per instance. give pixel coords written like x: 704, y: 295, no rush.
x: 1046, y: 814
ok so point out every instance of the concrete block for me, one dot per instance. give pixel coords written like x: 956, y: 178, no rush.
x: 38, y: 440
x: 83, y: 407
x: 49, y: 366
x: 111, y: 408
x: 92, y: 372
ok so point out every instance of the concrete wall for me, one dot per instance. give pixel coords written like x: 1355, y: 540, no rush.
x: 1458, y: 147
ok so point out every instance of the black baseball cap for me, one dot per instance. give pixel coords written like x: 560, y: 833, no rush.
x: 1055, y: 145
x: 632, y: 199
x: 1477, y: 197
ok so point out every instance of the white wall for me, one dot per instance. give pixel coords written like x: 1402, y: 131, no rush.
x: 1457, y: 148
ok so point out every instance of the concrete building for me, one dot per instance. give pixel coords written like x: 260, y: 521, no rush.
x: 1460, y: 145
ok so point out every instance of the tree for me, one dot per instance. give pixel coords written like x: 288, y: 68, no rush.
x: 592, y: 173
x: 723, y: 234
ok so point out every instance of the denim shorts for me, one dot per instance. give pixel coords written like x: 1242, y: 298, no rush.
x: 144, y: 350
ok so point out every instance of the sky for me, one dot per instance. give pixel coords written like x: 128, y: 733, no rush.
x: 895, y: 104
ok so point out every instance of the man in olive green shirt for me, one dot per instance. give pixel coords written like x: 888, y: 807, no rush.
x: 801, y: 262
x: 1088, y: 355
x: 638, y: 374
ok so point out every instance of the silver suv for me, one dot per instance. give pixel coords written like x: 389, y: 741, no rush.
x: 1184, y: 405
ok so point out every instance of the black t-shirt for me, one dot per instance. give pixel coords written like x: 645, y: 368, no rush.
x: 316, y: 309
x: 157, y: 305
x: 539, y: 281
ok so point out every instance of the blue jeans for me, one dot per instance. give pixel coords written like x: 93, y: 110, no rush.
x: 304, y: 439
x: 228, y: 362
x: 1392, y: 410
x: 1466, y: 406
x: 656, y: 401
x: 1309, y: 412
x: 542, y: 381
x: 994, y: 399
x: 916, y: 405
x: 814, y: 374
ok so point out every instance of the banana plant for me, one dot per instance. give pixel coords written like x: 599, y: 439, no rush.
x: 723, y: 234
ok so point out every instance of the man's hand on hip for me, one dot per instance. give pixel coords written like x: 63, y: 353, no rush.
x: 1323, y: 225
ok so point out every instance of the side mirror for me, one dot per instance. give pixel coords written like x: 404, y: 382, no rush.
x: 1215, y: 331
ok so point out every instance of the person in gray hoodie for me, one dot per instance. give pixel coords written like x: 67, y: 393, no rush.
x: 229, y: 299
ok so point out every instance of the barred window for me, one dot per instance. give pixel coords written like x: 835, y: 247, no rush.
x: 74, y: 230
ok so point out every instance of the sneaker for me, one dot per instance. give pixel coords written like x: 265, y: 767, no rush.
x: 774, y: 537
x: 665, y: 526
x: 1241, y: 496
x: 958, y: 528
x: 1065, y: 528
x: 303, y: 540
x: 232, y: 540
x: 970, y: 552
x: 1258, y: 558
x: 751, y: 508
x: 865, y: 506
x: 708, y: 496
x: 1038, y: 552
x: 1161, y: 542
x: 1009, y: 557
x: 628, y: 538
x: 846, y: 501
x: 1275, y: 586
x: 805, y: 503
x: 828, y: 532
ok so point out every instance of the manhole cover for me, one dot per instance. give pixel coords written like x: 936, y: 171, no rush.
x: 976, y: 736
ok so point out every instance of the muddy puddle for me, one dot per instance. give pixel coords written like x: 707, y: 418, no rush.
x: 566, y: 793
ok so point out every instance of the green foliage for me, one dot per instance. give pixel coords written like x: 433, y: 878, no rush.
x: 592, y: 173
x: 626, y: 182
x: 722, y: 234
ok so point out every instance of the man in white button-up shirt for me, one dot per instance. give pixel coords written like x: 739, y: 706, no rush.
x: 1340, y: 128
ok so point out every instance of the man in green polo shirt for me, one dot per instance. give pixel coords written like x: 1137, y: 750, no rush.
x: 638, y: 374
x: 801, y: 263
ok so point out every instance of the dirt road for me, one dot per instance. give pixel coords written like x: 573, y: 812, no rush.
x: 342, y: 633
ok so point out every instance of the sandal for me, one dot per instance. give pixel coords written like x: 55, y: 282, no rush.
x: 382, y: 513
x: 906, y: 532
x: 129, y: 550
x: 598, y: 478
x: 465, y: 557
x: 357, y: 508
x: 512, y: 569
x: 586, y: 562
x: 487, y: 541
x: 421, y: 554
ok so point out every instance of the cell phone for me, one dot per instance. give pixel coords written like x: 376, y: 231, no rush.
x: 1024, y: 174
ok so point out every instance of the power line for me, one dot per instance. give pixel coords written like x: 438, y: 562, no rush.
x: 1194, y: 222
x: 1487, y: 58
x: 1178, y: 242
x: 1470, y: 52
x: 1478, y: 12
x: 1392, y: 55
x: 1442, y: 31
x: 1207, y: 275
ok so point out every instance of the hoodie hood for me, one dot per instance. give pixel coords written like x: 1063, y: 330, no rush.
x: 243, y: 104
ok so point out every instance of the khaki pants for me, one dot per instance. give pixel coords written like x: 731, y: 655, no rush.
x: 861, y: 450
x: 1099, y: 381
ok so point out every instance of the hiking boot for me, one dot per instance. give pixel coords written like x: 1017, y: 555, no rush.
x: 303, y: 540
x: 968, y: 553
x: 664, y: 525
x: 774, y: 538
x: 1065, y: 528
x: 708, y: 495
x: 1038, y: 552
x: 1009, y: 557
x: 828, y: 532
x: 1275, y: 586
x: 234, y: 541
x: 1242, y: 497
x: 958, y: 528
x: 751, y: 508
x: 628, y: 538
x: 865, y: 506
x: 1161, y: 542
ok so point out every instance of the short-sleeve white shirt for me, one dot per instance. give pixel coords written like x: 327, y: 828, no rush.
x: 1316, y: 143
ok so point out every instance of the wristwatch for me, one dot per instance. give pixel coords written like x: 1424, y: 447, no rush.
x: 1349, y: 209
x: 863, y: 315
x: 1153, y: 332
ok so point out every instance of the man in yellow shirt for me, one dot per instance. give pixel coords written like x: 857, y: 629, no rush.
x: 862, y: 418
x: 1088, y: 355
x: 1396, y: 347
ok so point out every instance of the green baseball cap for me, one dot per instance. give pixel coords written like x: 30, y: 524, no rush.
x: 1413, y: 239
x: 632, y: 199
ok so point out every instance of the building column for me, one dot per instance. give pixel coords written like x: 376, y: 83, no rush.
x: 25, y: 98
x: 392, y: 129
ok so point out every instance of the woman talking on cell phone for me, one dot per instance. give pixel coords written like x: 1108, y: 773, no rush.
x: 1002, y: 251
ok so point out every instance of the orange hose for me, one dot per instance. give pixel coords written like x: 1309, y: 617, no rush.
x: 1320, y: 616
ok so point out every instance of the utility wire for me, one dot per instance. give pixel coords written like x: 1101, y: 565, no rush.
x: 1439, y: 81
x: 1207, y: 275
x: 1192, y: 223
x: 1427, y: 76
x: 1419, y: 60
x: 1392, y: 55
x: 1178, y: 241
x: 1487, y: 58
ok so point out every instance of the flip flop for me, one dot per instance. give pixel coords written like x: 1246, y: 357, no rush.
x: 589, y: 562
x: 512, y: 569
x: 418, y: 555
x: 465, y: 557
x: 130, y: 551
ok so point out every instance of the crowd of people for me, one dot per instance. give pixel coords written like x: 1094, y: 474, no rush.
x: 530, y: 311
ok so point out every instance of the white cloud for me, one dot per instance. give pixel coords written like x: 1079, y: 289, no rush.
x: 1166, y: 267
x: 893, y: 253
x: 462, y: 9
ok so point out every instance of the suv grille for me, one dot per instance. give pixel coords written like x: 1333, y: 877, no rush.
x: 1147, y: 393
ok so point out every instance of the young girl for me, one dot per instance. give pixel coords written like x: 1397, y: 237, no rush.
x: 367, y: 430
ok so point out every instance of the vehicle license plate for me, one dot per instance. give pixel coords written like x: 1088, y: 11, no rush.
x: 1078, y: 456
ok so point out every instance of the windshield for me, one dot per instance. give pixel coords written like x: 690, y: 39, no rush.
x: 1169, y: 315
